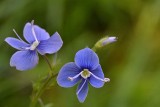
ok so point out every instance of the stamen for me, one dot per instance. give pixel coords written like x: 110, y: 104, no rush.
x: 104, y: 80
x: 25, y: 48
x: 34, y: 34
x: 17, y: 34
x: 72, y: 78
x: 107, y: 79
x: 81, y: 87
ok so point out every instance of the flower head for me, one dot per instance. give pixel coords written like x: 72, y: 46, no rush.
x: 38, y: 41
x: 86, y: 69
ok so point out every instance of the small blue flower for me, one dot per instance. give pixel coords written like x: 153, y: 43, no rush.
x: 38, y: 41
x: 86, y: 68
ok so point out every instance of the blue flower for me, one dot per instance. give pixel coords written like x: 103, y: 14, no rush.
x: 86, y: 69
x: 38, y: 41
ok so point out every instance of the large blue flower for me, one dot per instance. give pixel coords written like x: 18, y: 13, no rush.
x: 38, y: 41
x: 86, y: 68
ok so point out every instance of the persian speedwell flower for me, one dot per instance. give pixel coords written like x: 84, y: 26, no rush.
x: 38, y: 41
x: 86, y: 69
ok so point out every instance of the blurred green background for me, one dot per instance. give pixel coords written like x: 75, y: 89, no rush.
x: 132, y: 63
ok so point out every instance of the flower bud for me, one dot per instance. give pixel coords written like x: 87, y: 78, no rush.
x: 109, y: 40
x: 105, y: 41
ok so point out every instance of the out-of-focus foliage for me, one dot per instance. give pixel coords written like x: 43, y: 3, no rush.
x: 132, y: 63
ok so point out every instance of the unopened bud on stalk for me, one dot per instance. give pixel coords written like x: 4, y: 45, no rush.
x: 104, y: 41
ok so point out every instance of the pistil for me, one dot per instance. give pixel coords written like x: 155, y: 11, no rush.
x: 85, y: 73
x: 34, y: 45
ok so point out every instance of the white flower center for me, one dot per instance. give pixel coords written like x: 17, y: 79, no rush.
x: 34, y: 45
x: 85, y: 73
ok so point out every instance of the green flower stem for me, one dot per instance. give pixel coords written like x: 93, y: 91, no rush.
x: 94, y: 49
x: 40, y: 91
x: 41, y: 102
x: 36, y: 96
x: 49, y: 64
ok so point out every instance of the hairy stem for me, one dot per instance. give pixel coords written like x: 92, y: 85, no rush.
x: 41, y: 102
x: 36, y: 96
x: 49, y: 64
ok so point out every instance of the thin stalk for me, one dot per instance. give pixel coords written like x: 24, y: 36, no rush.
x: 94, y: 49
x: 49, y: 64
x: 40, y: 91
x: 36, y: 96
x: 41, y: 102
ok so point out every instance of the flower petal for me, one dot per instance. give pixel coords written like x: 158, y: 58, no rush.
x: 41, y: 34
x: 15, y: 43
x: 95, y: 82
x: 68, y: 70
x: 51, y: 45
x: 82, y: 90
x: 87, y: 58
x: 24, y: 60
